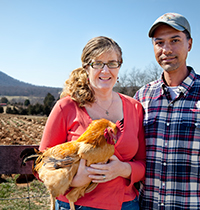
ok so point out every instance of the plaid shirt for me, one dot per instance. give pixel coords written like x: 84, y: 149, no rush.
x: 173, y: 145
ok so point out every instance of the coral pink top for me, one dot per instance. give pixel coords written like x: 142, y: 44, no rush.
x: 68, y: 121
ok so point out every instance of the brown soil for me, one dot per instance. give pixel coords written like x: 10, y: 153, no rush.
x: 21, y: 130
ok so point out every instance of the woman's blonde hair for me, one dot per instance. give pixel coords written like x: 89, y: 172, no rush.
x: 77, y: 86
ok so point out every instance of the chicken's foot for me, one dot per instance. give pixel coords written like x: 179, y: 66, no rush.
x: 72, y: 207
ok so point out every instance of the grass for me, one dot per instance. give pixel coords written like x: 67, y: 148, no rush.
x: 14, y: 196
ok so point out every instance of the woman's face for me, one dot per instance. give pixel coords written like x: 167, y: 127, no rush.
x: 105, y: 78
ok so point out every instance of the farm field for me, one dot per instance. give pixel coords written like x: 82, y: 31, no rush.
x: 21, y: 130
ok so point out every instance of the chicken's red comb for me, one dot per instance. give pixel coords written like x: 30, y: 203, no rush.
x: 109, y: 137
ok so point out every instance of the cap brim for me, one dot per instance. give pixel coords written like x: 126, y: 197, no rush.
x: 175, y: 26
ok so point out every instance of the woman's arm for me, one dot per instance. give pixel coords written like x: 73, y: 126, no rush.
x: 82, y: 176
x: 55, y: 129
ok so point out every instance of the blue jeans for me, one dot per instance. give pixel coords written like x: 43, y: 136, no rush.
x: 130, y: 205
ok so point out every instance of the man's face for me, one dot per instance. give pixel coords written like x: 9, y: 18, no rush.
x: 170, y: 47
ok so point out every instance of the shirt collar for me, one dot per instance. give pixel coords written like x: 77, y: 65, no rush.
x: 184, y: 86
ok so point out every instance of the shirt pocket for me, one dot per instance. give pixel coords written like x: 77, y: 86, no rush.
x: 191, y: 121
x: 150, y: 119
x: 189, y: 139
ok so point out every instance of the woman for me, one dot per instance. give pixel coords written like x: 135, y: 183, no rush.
x: 89, y: 95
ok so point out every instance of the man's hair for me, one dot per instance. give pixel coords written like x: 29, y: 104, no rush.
x: 187, y: 34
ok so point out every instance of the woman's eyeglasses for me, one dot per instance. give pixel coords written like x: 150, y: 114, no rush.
x: 100, y: 64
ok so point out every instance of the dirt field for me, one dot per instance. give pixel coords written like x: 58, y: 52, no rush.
x: 21, y: 130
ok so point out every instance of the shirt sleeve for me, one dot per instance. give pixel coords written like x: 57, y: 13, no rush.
x: 55, y: 129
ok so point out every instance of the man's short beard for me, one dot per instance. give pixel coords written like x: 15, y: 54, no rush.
x: 169, y: 67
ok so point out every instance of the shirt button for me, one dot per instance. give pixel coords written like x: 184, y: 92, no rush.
x: 164, y: 163
x: 165, y: 144
x: 162, y: 204
x: 168, y: 124
x: 163, y: 184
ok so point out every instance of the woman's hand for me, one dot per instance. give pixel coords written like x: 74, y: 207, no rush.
x: 82, y: 176
x: 105, y: 172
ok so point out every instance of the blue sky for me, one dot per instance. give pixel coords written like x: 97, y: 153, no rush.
x: 41, y: 41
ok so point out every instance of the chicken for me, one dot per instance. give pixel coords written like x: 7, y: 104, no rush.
x: 58, y: 165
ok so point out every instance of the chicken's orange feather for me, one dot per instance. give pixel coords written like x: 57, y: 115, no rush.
x: 58, y: 165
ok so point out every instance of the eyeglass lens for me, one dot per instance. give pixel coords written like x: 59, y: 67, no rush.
x: 100, y: 64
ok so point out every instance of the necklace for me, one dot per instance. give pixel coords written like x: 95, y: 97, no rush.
x: 106, y: 110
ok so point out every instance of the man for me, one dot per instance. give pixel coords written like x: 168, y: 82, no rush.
x: 172, y: 121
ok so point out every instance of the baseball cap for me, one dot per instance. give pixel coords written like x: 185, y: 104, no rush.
x: 174, y: 20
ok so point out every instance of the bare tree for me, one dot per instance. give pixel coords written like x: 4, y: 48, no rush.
x: 154, y: 70
x: 130, y: 82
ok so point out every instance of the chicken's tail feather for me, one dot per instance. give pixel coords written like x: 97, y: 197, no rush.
x: 29, y: 154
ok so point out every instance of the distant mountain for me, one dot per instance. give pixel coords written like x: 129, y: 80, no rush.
x: 13, y: 87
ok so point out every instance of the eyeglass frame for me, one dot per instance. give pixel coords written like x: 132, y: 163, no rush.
x: 119, y: 64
